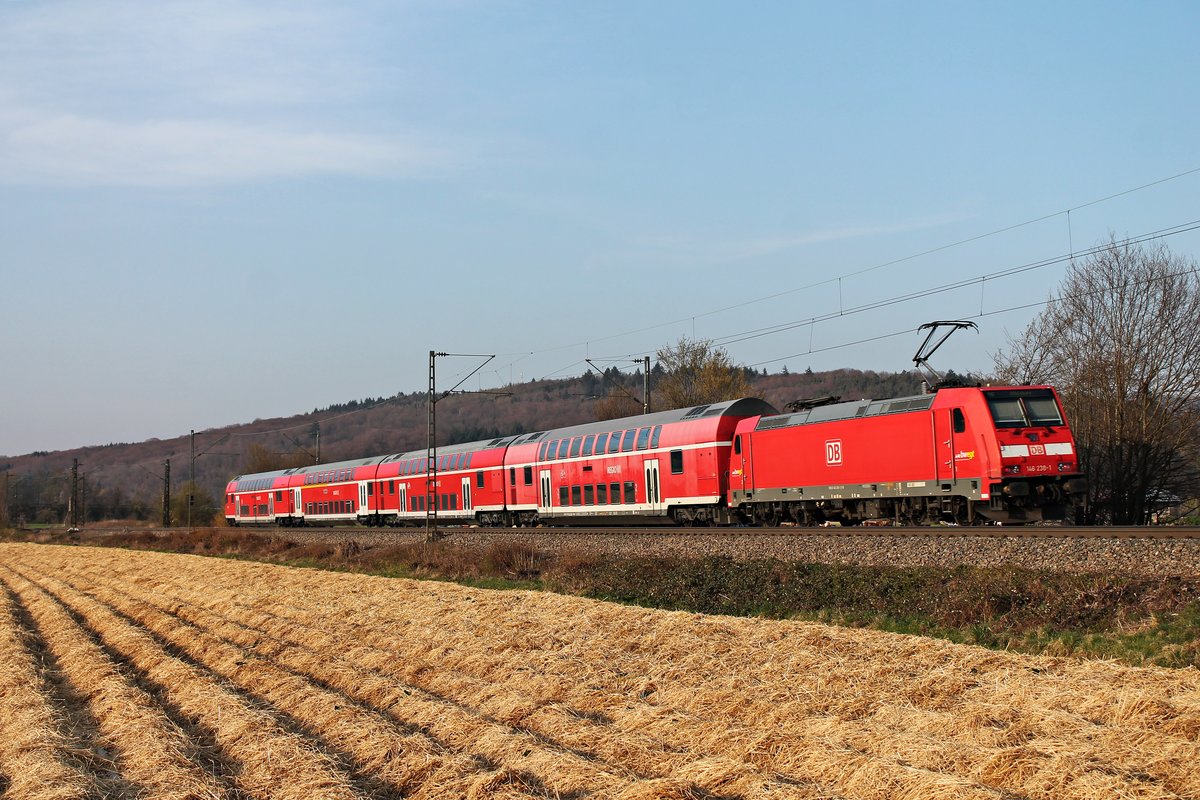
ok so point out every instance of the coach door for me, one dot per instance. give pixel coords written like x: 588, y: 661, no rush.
x: 362, y: 497
x: 271, y: 504
x: 544, y: 497
x: 653, y: 489
x: 466, y: 487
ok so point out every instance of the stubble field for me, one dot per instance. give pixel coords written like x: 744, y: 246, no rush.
x: 135, y: 674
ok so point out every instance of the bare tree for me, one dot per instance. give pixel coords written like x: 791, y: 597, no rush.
x: 1121, y: 345
x: 697, y: 372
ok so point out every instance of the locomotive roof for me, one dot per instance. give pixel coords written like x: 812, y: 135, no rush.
x: 849, y: 410
x: 742, y: 407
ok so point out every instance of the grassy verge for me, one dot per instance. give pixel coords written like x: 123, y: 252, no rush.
x: 1139, y: 621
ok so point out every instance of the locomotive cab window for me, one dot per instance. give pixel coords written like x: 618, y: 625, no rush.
x: 1024, y: 408
x: 960, y: 421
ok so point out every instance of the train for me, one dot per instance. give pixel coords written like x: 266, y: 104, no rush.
x: 958, y: 455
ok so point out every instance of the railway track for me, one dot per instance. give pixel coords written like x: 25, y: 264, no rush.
x: 946, y: 532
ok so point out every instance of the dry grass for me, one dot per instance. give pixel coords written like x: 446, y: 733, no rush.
x: 359, y: 686
x: 35, y: 754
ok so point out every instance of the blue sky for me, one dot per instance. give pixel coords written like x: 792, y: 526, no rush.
x: 213, y: 212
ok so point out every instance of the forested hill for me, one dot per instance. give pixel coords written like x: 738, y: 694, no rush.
x: 126, y: 480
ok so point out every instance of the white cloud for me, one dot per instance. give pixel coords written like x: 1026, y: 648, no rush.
x: 179, y: 93
x: 64, y: 149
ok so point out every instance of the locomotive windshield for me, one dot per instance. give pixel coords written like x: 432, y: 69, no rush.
x: 1024, y: 408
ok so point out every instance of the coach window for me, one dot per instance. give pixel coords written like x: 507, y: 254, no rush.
x: 614, y: 493
x: 479, y: 479
x: 575, y: 501
x: 627, y: 440
x: 630, y: 492
x: 512, y: 476
x: 601, y: 494
x: 391, y: 487
x: 575, y: 444
x: 589, y: 495
x: 601, y: 443
x: 657, y: 434
x: 562, y: 496
x: 529, y: 476
x: 588, y: 441
x: 614, y: 442
x: 643, y: 439
x: 676, y: 462
x: 370, y: 490
x: 542, y: 452
x: 960, y: 422
x: 563, y: 447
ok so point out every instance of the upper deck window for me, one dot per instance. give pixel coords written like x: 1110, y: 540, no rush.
x: 1024, y: 408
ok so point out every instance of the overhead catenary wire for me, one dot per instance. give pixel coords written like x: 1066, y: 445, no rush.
x: 1020, y: 307
x: 865, y: 270
x: 756, y: 333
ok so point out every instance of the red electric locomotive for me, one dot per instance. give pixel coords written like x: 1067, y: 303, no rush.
x: 964, y: 455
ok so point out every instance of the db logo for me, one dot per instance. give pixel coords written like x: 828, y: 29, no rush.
x: 833, y: 452
x: 1037, y: 449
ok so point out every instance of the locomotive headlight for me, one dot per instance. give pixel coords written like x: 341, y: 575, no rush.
x: 1064, y: 467
x: 1015, y: 469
